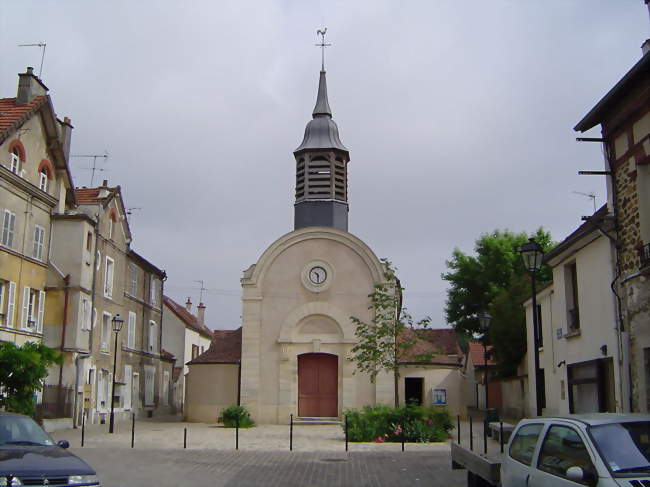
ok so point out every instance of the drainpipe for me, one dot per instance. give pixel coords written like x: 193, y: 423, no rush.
x: 239, y: 384
x: 79, y: 357
x: 66, y: 291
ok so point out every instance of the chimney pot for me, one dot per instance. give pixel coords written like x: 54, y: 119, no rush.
x: 200, y: 315
x: 30, y: 70
x: 188, y: 304
x: 105, y: 183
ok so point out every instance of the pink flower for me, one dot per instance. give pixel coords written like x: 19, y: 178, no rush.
x: 379, y: 439
x: 398, y: 429
x: 429, y: 421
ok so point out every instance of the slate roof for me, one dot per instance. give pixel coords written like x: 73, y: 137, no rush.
x: 224, y: 349
x: 476, y: 352
x: 440, y: 343
x: 12, y: 115
x: 186, y: 317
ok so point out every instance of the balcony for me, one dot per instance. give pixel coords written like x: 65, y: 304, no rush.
x: 644, y: 256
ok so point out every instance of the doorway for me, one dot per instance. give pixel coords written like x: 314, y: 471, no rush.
x: 413, y: 389
x: 318, y: 384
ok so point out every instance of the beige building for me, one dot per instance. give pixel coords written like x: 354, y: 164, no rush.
x: 186, y: 337
x: 582, y: 350
x: 296, y: 340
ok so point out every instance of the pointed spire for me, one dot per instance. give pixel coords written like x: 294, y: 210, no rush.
x: 322, y: 105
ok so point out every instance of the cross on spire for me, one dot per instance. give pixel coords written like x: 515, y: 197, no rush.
x: 322, y: 45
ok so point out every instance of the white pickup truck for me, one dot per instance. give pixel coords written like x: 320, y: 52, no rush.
x: 597, y: 450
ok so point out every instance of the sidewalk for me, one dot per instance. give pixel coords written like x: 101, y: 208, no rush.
x: 167, y: 433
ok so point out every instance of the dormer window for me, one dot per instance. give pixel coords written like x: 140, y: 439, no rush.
x: 42, y: 179
x: 15, y: 162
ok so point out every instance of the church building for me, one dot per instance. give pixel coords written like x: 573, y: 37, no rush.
x: 293, y: 353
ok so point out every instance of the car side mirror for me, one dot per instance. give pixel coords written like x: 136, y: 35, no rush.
x: 63, y: 443
x: 577, y: 474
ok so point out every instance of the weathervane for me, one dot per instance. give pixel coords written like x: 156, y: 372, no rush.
x: 322, y: 45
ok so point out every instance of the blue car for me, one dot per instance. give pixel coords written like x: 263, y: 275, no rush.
x: 29, y: 456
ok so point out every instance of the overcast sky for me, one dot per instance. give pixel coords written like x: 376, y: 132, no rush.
x: 458, y: 117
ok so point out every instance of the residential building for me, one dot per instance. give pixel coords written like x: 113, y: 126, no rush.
x: 186, y: 337
x: 624, y: 117
x: 581, y: 348
x: 35, y: 186
x: 480, y: 360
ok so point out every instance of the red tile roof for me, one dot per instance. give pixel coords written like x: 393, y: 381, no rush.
x: 476, y: 352
x: 438, y: 346
x: 186, y: 317
x: 167, y: 355
x: 89, y: 195
x: 224, y: 349
x: 12, y: 115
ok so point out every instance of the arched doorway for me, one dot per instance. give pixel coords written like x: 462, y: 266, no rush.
x: 318, y: 385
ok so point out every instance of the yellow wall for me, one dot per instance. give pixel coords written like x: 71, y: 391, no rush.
x: 209, y: 389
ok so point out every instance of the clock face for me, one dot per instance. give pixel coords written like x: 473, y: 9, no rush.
x: 317, y: 275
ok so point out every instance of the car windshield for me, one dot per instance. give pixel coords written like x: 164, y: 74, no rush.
x: 21, y: 430
x: 625, y: 447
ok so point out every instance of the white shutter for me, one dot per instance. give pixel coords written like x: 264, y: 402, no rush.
x: 128, y: 384
x: 25, y: 314
x: 5, y: 228
x: 41, y: 310
x: 130, y: 339
x: 11, y: 298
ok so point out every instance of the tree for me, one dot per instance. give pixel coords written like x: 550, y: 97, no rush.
x: 22, y: 370
x: 382, y: 342
x: 494, y: 280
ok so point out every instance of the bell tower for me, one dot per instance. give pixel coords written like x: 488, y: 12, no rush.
x: 321, y: 168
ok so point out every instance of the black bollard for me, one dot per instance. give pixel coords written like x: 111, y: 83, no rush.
x: 132, y: 430
x: 291, y: 434
x: 485, y: 437
x: 237, y: 433
x: 184, y: 437
x: 458, y: 428
x: 501, y: 435
x: 83, y: 427
x: 471, y: 435
x: 346, y: 432
x: 403, y: 433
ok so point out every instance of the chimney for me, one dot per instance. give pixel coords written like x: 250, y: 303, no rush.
x: 200, y: 315
x: 645, y: 47
x: 188, y: 305
x: 66, y: 135
x: 29, y: 87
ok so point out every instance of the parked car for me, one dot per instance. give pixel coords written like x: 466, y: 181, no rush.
x: 29, y: 456
x: 599, y: 449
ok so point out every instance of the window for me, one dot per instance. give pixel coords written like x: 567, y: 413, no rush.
x: 15, y: 162
x: 563, y: 448
x: 104, y: 383
x: 84, y: 314
x: 523, y: 445
x: 108, y: 278
x: 42, y: 179
x: 134, y: 280
x: 9, y: 308
x: 440, y: 396
x: 130, y: 338
x: 571, y: 290
x: 195, y: 351
x: 33, y: 308
x: 128, y: 386
x: 152, y: 336
x: 153, y: 291
x: 110, y: 228
x: 39, y: 238
x: 8, y: 227
x: 106, y: 332
x: 89, y: 241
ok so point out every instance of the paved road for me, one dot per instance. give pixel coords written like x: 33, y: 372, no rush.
x: 123, y: 467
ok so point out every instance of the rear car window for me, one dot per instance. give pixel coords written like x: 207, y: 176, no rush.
x: 523, y: 444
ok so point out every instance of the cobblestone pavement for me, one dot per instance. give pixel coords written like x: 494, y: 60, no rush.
x: 124, y: 467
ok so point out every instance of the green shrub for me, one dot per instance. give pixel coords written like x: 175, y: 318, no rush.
x: 232, y: 414
x: 384, y: 423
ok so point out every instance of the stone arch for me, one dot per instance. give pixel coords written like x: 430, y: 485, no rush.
x: 20, y: 148
x: 49, y: 169
x: 289, y: 327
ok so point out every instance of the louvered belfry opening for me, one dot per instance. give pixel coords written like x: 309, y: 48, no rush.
x: 321, y: 170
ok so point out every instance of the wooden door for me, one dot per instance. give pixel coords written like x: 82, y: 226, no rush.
x: 318, y: 384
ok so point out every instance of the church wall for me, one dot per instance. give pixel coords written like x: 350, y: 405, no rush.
x: 209, y: 389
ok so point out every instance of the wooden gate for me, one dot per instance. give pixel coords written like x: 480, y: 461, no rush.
x: 318, y: 384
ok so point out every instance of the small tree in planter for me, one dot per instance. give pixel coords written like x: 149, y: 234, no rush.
x: 381, y: 342
x: 232, y: 414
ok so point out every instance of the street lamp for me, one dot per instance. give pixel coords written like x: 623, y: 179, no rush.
x: 117, y: 323
x: 532, y: 255
x: 484, y: 324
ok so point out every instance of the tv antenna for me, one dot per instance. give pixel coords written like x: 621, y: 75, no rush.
x: 38, y: 44
x: 94, y: 168
x: 591, y: 196
x: 322, y: 45
x: 129, y: 211
x: 201, y: 293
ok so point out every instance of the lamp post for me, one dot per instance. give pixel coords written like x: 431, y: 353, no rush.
x: 532, y: 255
x: 484, y: 323
x: 117, y: 323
